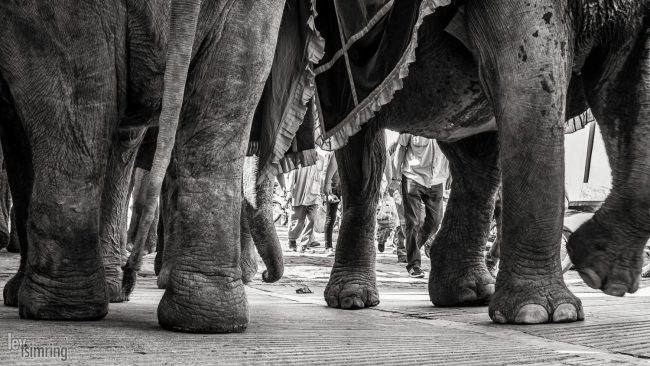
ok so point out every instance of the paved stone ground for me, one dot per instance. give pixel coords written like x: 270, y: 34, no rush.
x: 290, y: 328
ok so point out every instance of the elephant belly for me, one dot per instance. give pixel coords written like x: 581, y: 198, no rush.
x: 442, y: 97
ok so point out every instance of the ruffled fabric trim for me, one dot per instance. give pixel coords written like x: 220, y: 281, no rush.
x: 295, y: 160
x: 578, y: 122
x: 295, y: 112
x: 338, y: 136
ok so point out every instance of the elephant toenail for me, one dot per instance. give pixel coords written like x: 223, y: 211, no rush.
x: 532, y: 314
x: 565, y: 313
x: 497, y: 317
x: 332, y: 302
x: 489, y: 289
x: 615, y: 289
x: 358, y: 304
x: 347, y: 303
x: 590, y: 277
x: 467, y: 295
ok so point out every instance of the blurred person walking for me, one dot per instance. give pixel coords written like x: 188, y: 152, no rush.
x: 305, y: 196
x: 423, y: 170
x: 332, y: 193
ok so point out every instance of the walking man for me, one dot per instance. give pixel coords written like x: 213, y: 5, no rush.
x: 305, y: 195
x: 424, y: 171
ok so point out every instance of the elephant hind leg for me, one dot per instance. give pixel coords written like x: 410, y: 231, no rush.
x: 525, y: 71
x: 459, y: 275
x: 18, y: 165
x: 352, y: 283
x: 608, y: 249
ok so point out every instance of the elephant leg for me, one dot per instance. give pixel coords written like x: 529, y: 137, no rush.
x: 608, y: 249
x: 248, y: 263
x: 14, y: 241
x: 205, y: 293
x: 18, y: 163
x: 459, y: 275
x: 115, y: 205
x: 69, y: 104
x: 160, y: 243
x: 352, y: 283
x: 525, y: 72
x: 258, y: 210
x: 5, y: 204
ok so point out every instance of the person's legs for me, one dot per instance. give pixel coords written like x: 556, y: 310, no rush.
x: 433, y: 214
x: 307, y: 234
x: 412, y: 206
x: 400, y: 231
x: 297, y: 223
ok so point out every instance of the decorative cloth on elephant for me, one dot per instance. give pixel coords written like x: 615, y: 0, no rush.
x: 282, y: 135
x: 369, y: 45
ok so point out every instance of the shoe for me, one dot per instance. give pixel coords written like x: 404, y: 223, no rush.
x: 303, y: 248
x: 381, y: 247
x: 401, y: 259
x: 292, y: 246
x: 416, y: 272
x: 314, y: 244
x: 329, y: 252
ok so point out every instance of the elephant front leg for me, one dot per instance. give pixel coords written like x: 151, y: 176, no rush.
x: 458, y: 272
x: 205, y: 293
x: 608, y: 250
x: 20, y: 178
x: 115, y: 203
x: 352, y: 283
x: 525, y: 69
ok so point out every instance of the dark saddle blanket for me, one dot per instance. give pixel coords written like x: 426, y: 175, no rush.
x: 337, y: 62
x: 340, y: 60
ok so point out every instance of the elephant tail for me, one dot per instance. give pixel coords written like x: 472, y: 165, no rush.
x: 183, y: 23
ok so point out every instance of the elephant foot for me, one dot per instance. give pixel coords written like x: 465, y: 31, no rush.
x: 471, y: 286
x: 607, y: 259
x: 199, y: 303
x: 248, y: 271
x: 4, y: 239
x: 77, y: 299
x: 534, y: 301
x: 114, y: 286
x: 14, y: 244
x: 10, y: 292
x: 163, y: 277
x: 352, y: 290
x: 157, y: 262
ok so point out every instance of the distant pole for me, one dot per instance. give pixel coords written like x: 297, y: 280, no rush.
x: 590, y: 150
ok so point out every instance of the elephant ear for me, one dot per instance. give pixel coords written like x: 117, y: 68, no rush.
x: 183, y: 23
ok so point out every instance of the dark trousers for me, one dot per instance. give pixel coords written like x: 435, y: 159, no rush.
x: 302, y: 224
x: 418, y: 228
x: 330, y: 217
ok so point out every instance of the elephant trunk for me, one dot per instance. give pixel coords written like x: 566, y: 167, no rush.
x: 183, y: 23
x: 258, y: 208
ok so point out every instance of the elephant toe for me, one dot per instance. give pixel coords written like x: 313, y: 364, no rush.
x: 531, y: 314
x: 352, y: 294
x: 474, y: 286
x: 567, y: 313
x: 591, y: 278
x: 535, y: 302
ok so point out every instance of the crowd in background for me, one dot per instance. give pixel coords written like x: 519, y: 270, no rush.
x: 409, y: 210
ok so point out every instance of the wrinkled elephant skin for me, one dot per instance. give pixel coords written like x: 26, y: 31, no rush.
x: 558, y: 59
x: 63, y: 158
